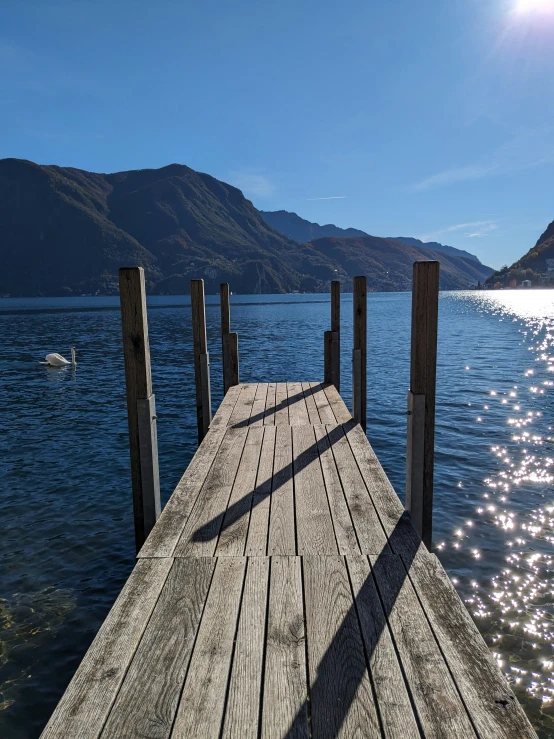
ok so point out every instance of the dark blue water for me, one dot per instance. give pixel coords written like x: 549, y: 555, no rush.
x: 67, y: 545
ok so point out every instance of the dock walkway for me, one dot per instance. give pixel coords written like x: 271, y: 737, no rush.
x: 283, y: 593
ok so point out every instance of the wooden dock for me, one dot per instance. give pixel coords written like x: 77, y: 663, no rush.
x: 283, y: 593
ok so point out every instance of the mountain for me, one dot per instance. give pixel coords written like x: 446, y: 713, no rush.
x: 436, y: 246
x: 295, y: 227
x: 388, y: 262
x: 533, y: 266
x: 299, y: 229
x: 66, y: 231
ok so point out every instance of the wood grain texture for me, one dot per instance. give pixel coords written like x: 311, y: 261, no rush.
x: 245, y: 685
x: 166, y: 533
x: 341, y: 698
x: 495, y: 712
x: 87, y: 701
x: 397, y: 717
x: 201, y: 531
x: 200, y: 347
x: 232, y: 539
x: 369, y: 532
x: 202, y: 703
x: 258, y: 407
x: 269, y: 414
x: 256, y: 544
x: 138, y: 378
x: 359, y: 335
x: 282, y: 535
x: 341, y: 412
x: 284, y: 707
x: 243, y: 408
x: 298, y: 412
x: 314, y: 528
x: 148, y: 699
x: 281, y: 404
x: 437, y: 702
x: 323, y: 406
x: 342, y: 522
x: 423, y: 371
x: 313, y: 413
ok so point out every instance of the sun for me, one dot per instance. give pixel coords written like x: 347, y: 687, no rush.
x: 534, y: 6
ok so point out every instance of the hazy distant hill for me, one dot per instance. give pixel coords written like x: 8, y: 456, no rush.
x: 299, y: 229
x: 532, y: 266
x: 388, y: 262
x: 66, y: 231
x: 295, y: 227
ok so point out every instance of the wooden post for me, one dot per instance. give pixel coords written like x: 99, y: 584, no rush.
x: 327, y: 356
x: 359, y: 355
x: 421, y: 398
x: 201, y: 358
x: 141, y: 405
x: 229, y: 341
x: 335, y: 333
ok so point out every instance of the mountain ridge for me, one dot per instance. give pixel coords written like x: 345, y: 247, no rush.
x: 65, y: 231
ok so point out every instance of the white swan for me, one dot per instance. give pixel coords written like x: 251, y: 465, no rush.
x: 56, y: 360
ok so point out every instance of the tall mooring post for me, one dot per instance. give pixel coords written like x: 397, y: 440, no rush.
x: 421, y: 399
x: 331, y: 364
x: 141, y: 406
x: 201, y: 358
x: 359, y: 353
x: 229, y: 341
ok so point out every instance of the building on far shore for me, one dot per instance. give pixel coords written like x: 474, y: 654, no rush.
x: 526, y: 283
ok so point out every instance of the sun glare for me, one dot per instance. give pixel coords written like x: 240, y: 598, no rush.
x: 534, y: 6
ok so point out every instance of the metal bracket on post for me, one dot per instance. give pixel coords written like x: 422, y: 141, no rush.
x: 327, y: 356
x: 148, y: 450
x: 357, y: 385
x: 335, y: 359
x: 415, y: 453
x: 206, y: 393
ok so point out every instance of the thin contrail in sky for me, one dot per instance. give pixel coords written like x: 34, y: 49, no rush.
x: 331, y: 197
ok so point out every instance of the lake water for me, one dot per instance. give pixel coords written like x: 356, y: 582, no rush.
x: 67, y: 543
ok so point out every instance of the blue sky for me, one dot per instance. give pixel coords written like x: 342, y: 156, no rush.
x: 432, y: 119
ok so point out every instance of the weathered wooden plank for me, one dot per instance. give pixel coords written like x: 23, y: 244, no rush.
x: 440, y: 711
x: 281, y: 404
x: 495, y: 712
x: 370, y: 534
x: 147, y: 702
x: 243, y: 409
x: 341, y: 698
x: 201, y: 358
x: 234, y: 530
x: 243, y: 703
x: 402, y: 536
x: 87, y: 701
x: 269, y: 415
x: 201, y: 531
x: 138, y: 384
x: 258, y: 408
x: 202, y: 703
x: 313, y: 413
x: 314, y: 528
x: 396, y: 712
x: 322, y: 404
x: 284, y: 709
x: 342, y: 522
x: 256, y: 543
x: 166, y: 533
x: 282, y: 536
x: 340, y: 410
x: 298, y: 412
x: 423, y: 371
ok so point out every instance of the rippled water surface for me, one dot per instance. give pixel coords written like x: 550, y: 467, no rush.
x: 67, y: 542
